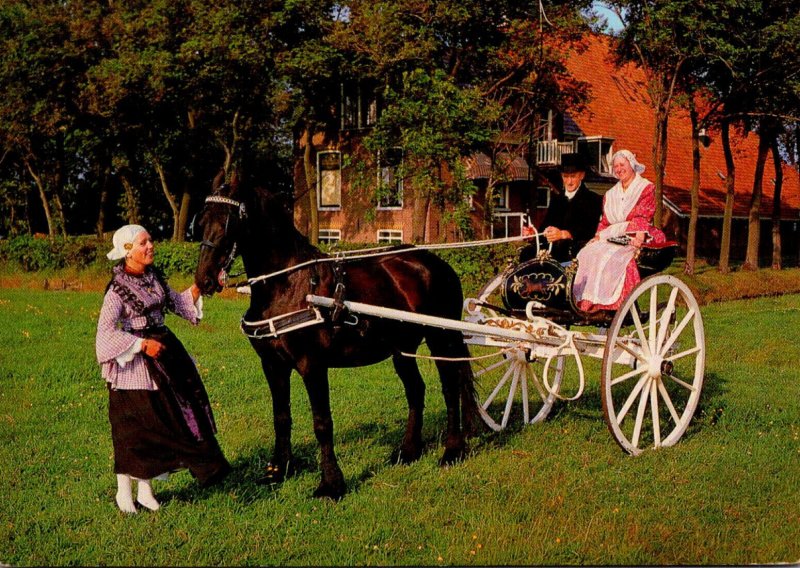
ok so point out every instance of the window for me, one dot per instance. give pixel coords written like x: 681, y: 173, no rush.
x: 329, y: 180
x: 390, y: 236
x: 542, y: 197
x: 330, y: 236
x: 500, y: 196
x: 390, y: 180
x: 598, y: 151
x: 359, y: 106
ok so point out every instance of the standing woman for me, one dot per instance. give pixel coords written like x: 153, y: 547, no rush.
x: 161, y: 420
x: 607, y: 271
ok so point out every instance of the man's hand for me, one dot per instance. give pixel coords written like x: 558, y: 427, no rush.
x: 556, y: 234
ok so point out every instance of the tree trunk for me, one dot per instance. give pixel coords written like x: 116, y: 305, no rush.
x: 131, y: 202
x: 37, y: 179
x: 660, y: 158
x: 419, y: 217
x: 173, y: 203
x: 311, y: 185
x: 100, y: 226
x: 776, y: 206
x: 691, y: 237
x: 754, y: 218
x: 727, y: 218
x: 183, y: 215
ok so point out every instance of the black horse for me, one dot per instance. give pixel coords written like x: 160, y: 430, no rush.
x: 260, y: 226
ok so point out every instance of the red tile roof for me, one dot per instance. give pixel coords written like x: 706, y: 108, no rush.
x: 619, y: 109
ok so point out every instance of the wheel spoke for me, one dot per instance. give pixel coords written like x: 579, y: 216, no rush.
x: 510, y: 401
x: 678, y: 330
x: 668, y: 401
x: 652, y: 319
x: 625, y: 377
x: 680, y: 382
x: 631, y: 397
x: 524, y: 389
x: 637, y: 427
x: 499, y: 386
x: 655, y: 415
x: 683, y: 354
x: 665, y: 317
x: 639, y: 329
x: 636, y: 354
x: 492, y: 367
x: 537, y: 384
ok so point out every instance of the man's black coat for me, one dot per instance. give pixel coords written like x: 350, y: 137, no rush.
x: 579, y: 215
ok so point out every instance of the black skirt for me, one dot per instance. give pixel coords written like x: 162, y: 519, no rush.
x: 155, y: 432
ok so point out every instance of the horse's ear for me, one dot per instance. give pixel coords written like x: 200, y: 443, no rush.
x: 218, y: 179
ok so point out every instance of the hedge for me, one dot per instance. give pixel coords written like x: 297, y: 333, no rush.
x: 475, y: 265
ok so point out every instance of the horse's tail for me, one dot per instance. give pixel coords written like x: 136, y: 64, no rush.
x: 471, y: 421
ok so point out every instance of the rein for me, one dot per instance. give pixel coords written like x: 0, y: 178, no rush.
x: 347, y: 255
x: 383, y: 251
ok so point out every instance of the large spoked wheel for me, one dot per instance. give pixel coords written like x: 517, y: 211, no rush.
x: 653, y: 365
x: 509, y: 388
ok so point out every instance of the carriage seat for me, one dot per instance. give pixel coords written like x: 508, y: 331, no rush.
x: 549, y: 283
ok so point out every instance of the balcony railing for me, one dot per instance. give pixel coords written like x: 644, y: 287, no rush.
x: 548, y: 152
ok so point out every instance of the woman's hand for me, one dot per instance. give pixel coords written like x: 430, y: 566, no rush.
x: 195, y: 292
x: 638, y: 239
x: 152, y: 348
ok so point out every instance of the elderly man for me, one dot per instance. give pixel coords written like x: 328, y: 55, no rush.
x: 572, y: 217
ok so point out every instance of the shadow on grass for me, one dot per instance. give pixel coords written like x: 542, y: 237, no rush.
x: 248, y: 468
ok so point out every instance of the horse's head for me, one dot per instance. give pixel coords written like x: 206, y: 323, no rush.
x: 221, y: 222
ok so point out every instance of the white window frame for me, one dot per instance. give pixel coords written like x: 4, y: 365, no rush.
x: 548, y: 193
x: 389, y: 236
x: 335, y: 177
x: 330, y: 236
x: 385, y: 173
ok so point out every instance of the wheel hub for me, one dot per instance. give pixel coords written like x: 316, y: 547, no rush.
x: 654, y: 368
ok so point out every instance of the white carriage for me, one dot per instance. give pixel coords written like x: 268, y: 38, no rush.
x: 528, y: 342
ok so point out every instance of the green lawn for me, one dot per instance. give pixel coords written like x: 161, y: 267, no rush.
x: 559, y: 493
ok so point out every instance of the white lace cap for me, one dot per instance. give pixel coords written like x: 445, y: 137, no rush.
x: 123, y: 241
x: 631, y: 157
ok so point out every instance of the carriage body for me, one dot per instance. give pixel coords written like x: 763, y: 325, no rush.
x: 545, y: 285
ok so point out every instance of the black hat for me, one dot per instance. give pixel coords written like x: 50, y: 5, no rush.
x: 572, y: 163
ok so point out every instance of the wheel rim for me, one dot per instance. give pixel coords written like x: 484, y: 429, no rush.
x: 509, y: 388
x: 653, y: 369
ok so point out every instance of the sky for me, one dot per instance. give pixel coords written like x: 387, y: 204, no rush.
x: 613, y: 21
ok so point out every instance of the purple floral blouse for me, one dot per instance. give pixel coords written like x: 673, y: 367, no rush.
x: 133, y: 303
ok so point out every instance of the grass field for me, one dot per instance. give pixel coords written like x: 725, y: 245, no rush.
x: 558, y: 493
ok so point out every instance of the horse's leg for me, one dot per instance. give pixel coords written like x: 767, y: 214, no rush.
x: 332, y: 483
x: 444, y: 343
x: 411, y: 448
x: 282, y: 463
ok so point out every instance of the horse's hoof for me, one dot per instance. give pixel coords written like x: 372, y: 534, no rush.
x: 452, y: 456
x: 325, y: 491
x: 404, y: 456
x: 273, y: 474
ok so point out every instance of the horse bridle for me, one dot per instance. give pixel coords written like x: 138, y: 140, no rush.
x: 242, y: 215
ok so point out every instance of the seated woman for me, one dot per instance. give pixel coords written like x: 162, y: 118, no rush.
x: 607, y: 271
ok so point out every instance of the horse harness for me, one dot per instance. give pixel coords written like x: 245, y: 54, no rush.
x: 284, y: 323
